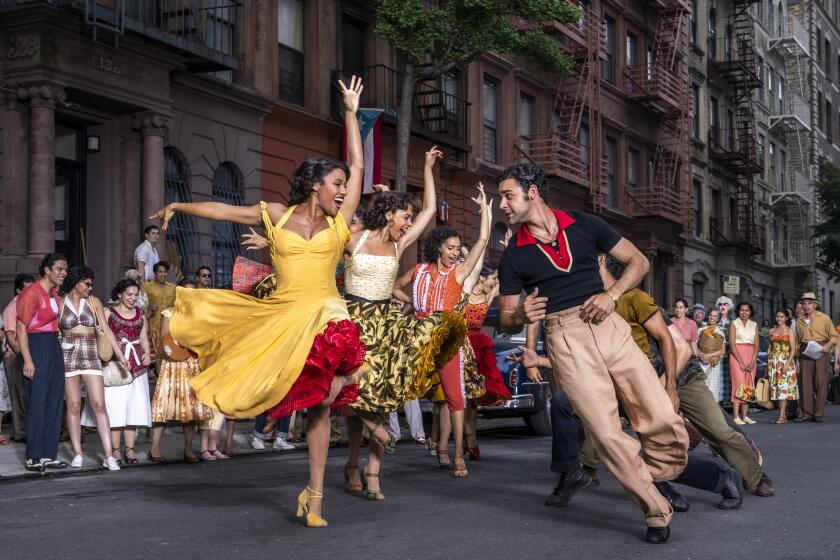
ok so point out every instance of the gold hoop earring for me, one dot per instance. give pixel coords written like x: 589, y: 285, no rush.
x: 390, y: 223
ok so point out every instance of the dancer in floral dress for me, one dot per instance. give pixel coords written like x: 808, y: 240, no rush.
x: 781, y: 366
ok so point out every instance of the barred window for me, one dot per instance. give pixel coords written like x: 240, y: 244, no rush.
x: 183, y: 237
x: 227, y: 188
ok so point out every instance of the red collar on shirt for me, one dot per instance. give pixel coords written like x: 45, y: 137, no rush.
x: 560, y: 255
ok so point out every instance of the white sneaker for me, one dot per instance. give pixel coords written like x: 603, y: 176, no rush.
x: 258, y: 444
x: 77, y: 462
x: 283, y: 445
x: 111, y: 464
x: 739, y: 422
x: 748, y: 420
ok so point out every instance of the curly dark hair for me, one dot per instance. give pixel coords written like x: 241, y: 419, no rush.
x: 749, y: 306
x: 433, y: 241
x: 122, y: 286
x: 487, y: 270
x: 49, y: 261
x: 527, y: 174
x: 75, y: 275
x: 21, y: 280
x: 312, y: 171
x: 390, y: 201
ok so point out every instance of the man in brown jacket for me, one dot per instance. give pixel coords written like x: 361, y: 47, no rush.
x: 814, y: 327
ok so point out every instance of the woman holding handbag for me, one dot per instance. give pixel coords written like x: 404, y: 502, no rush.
x: 781, y: 365
x: 127, y: 404
x: 174, y: 399
x: 85, y: 341
x: 743, y: 353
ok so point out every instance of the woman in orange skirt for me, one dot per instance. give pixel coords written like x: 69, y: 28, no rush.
x: 743, y: 348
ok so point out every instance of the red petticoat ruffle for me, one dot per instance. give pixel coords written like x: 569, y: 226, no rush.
x: 336, y: 351
x: 494, y: 384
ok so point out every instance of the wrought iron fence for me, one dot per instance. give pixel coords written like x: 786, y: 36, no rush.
x: 227, y: 188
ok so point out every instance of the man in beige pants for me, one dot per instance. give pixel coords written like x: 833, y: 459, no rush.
x: 554, y: 258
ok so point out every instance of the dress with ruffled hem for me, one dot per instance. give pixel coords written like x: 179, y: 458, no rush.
x: 404, y: 352
x: 254, y: 352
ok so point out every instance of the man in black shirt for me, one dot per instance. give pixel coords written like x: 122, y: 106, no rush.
x: 554, y: 258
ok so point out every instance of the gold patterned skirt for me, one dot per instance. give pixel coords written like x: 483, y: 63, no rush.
x: 174, y: 400
x: 403, y: 352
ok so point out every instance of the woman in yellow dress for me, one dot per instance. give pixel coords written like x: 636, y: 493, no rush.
x: 297, y: 347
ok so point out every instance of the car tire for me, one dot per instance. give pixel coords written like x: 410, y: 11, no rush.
x: 540, y: 422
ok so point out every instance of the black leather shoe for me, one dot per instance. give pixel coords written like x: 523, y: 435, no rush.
x: 657, y: 535
x: 765, y: 487
x: 731, y: 493
x: 54, y: 464
x: 677, y: 500
x: 570, y: 483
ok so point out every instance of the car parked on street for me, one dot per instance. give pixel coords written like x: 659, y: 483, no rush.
x: 530, y: 401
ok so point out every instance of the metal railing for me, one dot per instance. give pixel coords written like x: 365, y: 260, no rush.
x: 791, y: 111
x: 435, y: 110
x: 793, y: 32
x: 209, y: 29
x: 646, y: 81
x: 558, y: 155
x: 791, y: 253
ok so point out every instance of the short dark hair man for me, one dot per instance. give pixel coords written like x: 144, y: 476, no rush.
x: 204, y: 277
x: 146, y: 255
x: 554, y: 257
x: 43, y: 363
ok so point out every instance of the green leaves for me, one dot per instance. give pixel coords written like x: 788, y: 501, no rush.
x: 827, y: 232
x: 446, y: 34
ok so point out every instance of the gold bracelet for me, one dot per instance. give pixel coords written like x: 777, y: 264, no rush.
x: 613, y: 297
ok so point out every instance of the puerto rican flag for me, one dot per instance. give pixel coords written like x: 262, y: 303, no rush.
x: 370, y: 122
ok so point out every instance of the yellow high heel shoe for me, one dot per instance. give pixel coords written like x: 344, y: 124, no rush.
x: 312, y: 519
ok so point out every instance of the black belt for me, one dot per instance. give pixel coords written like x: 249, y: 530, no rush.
x: 357, y: 299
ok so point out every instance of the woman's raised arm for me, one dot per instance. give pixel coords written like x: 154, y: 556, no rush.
x: 425, y: 216
x: 215, y: 211
x: 486, y: 210
x: 355, y: 151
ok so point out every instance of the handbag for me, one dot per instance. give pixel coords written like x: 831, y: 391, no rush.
x: 745, y: 392
x: 762, y: 393
x: 247, y: 273
x: 115, y: 375
x: 103, y: 345
x: 174, y: 351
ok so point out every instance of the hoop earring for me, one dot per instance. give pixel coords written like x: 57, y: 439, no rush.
x: 390, y: 223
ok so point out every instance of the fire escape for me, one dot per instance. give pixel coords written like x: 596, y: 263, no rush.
x: 733, y: 60
x: 659, y: 84
x: 572, y: 151
x: 792, y: 196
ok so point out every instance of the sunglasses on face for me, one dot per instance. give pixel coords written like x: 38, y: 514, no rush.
x: 206, y: 275
x: 88, y: 284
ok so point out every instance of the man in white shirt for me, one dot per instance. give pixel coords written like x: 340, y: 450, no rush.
x: 146, y: 255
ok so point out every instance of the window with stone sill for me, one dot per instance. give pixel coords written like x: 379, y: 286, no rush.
x: 290, y: 51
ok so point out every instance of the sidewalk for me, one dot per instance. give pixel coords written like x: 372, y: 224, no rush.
x: 12, y: 456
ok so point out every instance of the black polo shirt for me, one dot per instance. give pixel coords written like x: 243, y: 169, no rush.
x: 566, y: 272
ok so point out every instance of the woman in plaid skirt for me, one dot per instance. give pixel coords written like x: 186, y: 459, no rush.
x: 80, y: 313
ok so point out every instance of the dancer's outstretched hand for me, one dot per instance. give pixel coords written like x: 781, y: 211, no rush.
x: 165, y: 214
x: 508, y: 234
x: 253, y: 241
x: 481, y: 199
x: 432, y: 156
x: 380, y: 188
x: 530, y: 360
x: 352, y: 94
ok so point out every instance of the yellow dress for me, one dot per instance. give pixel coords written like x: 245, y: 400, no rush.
x: 251, y: 350
x: 161, y: 296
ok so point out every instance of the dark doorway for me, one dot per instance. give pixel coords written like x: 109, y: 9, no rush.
x: 70, y: 194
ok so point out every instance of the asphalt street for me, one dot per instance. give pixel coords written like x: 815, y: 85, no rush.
x: 244, y: 508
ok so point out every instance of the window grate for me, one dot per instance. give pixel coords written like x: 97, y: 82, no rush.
x: 184, y: 236
x: 227, y: 189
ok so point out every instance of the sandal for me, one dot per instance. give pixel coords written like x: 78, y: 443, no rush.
x: 460, y: 468
x: 777, y: 421
x: 117, y: 455
x: 372, y: 495
x: 352, y: 485
x: 131, y: 460
x: 441, y: 465
x: 218, y: 454
x: 192, y: 459
x: 473, y: 453
x: 161, y: 460
x: 3, y: 440
x: 206, y: 456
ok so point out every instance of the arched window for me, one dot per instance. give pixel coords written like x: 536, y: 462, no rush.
x: 183, y: 247
x: 227, y: 188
